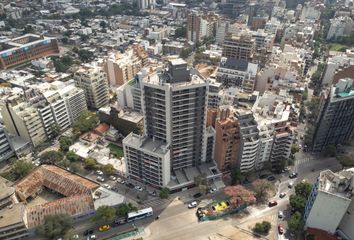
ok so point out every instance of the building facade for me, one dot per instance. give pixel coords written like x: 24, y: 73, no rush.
x: 26, y: 48
x: 93, y: 80
x: 335, y: 122
x: 6, y: 148
x: 241, y: 46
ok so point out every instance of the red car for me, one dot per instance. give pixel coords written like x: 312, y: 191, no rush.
x: 272, y: 203
x: 280, y: 229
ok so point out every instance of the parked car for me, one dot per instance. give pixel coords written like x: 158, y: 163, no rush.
x: 107, y: 186
x: 212, y: 190
x: 113, y: 178
x: 280, y: 229
x: 271, y: 178
x: 104, y: 228
x: 88, y: 232
x: 282, y: 195
x: 197, y: 195
x: 130, y: 185
x: 192, y: 204
x: 119, y: 180
x: 99, y: 172
x: 100, y: 179
x: 272, y: 203
x: 92, y: 237
x: 152, y: 193
x: 293, y: 175
x: 291, y: 184
x: 140, y: 189
x: 280, y: 214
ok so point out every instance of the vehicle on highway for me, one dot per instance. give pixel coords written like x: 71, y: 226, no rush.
x: 291, y: 184
x: 192, y: 204
x: 280, y: 214
x: 271, y: 178
x: 282, y: 195
x: 197, y: 195
x: 99, y: 172
x: 140, y: 214
x: 272, y: 203
x: 88, y: 232
x: 293, y: 175
x: 104, y: 228
x: 140, y: 189
x: 113, y: 178
x: 280, y: 229
x: 100, y: 179
x: 107, y: 186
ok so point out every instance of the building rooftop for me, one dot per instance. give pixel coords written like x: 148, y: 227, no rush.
x: 12, y: 216
x: 340, y: 184
x: 147, y: 144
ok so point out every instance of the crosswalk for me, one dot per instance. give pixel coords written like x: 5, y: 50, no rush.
x: 154, y: 202
x: 303, y: 162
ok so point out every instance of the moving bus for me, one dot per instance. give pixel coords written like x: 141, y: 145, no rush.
x: 140, y: 214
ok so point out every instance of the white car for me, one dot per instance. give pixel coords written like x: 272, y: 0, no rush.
x: 99, y: 172
x: 100, y: 179
x: 280, y: 214
x: 140, y: 189
x: 291, y: 184
x: 113, y: 178
x: 192, y: 204
x: 119, y: 180
x: 107, y: 186
x: 212, y: 190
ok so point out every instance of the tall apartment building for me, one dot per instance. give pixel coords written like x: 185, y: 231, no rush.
x: 330, y: 205
x: 341, y: 26
x: 93, y: 80
x: 227, y: 141
x: 6, y: 148
x: 241, y: 46
x: 146, y: 4
x: 237, y: 73
x: 335, y: 122
x: 234, y: 7
x: 174, y: 105
x: 26, y: 48
x: 250, y: 141
x: 22, y: 119
x: 200, y: 25
x: 122, y: 68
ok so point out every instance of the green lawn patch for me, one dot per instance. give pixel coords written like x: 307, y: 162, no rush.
x: 117, y: 151
x: 338, y: 47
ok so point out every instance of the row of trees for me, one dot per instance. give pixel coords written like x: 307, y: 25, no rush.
x: 18, y: 169
x: 297, y: 203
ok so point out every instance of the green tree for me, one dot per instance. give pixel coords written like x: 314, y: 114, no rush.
x: 72, y: 156
x: 297, y: 202
x: 345, y: 161
x: 123, y: 209
x: 261, y: 188
x: 104, y: 214
x: 55, y: 226
x: 103, y: 24
x: 65, y: 142
x: 164, y: 193
x: 303, y: 189
x: 235, y: 175
x: 108, y: 169
x: 181, y: 32
x: 90, y: 163
x: 86, y: 122
x: 295, y: 148
x: 331, y: 151
x: 55, y: 129
x: 202, y: 182
x: 21, y: 168
x: 185, y: 53
x: 263, y: 227
x: 85, y: 55
x: 51, y: 157
x: 294, y: 223
x: 28, y: 29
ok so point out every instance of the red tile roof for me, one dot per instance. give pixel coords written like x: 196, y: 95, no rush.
x: 321, y: 234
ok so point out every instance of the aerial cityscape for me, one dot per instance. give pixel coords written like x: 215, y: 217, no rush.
x: 177, y: 119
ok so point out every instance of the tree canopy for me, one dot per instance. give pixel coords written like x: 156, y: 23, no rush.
x: 51, y: 157
x: 235, y: 175
x: 104, y: 214
x: 21, y: 168
x: 86, y: 122
x: 65, y: 142
x: 55, y: 226
x: 108, y: 169
x: 164, y: 193
x: 72, y: 156
x: 303, y: 189
x: 295, y: 222
x: 261, y: 188
x: 263, y: 227
x: 90, y: 163
x: 239, y: 195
